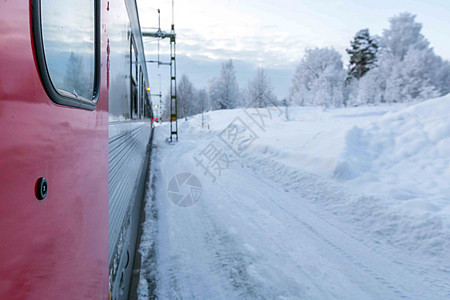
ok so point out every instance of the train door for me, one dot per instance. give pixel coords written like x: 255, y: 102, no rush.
x: 53, y: 150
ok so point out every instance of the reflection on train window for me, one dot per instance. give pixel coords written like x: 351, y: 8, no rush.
x: 68, y: 33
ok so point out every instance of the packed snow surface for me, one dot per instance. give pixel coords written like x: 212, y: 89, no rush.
x: 347, y: 203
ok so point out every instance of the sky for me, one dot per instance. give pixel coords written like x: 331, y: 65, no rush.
x: 274, y: 34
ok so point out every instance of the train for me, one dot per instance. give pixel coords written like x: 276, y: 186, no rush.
x: 75, y: 141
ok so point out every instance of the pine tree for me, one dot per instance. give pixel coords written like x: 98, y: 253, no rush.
x: 363, y: 54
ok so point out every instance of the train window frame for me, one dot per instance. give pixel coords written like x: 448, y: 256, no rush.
x: 67, y: 99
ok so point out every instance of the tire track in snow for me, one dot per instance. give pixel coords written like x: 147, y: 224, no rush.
x: 197, y: 235
x: 339, y: 250
x: 231, y: 262
x: 325, y: 294
x: 311, y: 182
x: 342, y: 252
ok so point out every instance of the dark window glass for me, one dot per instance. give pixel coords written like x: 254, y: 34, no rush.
x: 134, y: 65
x: 134, y: 81
x: 141, y: 93
x: 68, y: 33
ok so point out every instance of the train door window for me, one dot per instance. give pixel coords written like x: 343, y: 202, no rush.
x: 134, y: 80
x: 67, y: 43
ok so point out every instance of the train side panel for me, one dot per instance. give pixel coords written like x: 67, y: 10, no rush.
x: 129, y: 136
x: 56, y: 248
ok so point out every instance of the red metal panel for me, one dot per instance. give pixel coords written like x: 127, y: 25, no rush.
x: 56, y: 248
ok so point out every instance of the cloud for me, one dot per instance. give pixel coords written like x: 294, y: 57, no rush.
x: 228, y: 30
x: 271, y: 49
x: 275, y: 33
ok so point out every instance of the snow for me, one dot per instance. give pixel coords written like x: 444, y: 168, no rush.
x: 348, y: 203
x: 403, y: 160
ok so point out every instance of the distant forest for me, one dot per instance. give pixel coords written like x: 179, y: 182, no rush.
x: 399, y: 66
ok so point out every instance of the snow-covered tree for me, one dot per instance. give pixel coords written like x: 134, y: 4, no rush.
x: 441, y: 77
x: 214, y: 92
x: 244, y: 96
x: 398, y: 67
x: 260, y: 90
x: 185, y: 97
x: 416, y: 72
x: 319, y: 79
x: 363, y: 54
x: 203, y: 101
x: 351, y: 91
x: 408, y: 70
x: 372, y: 86
x: 224, y: 91
x: 190, y: 101
x: 412, y: 79
x: 402, y: 35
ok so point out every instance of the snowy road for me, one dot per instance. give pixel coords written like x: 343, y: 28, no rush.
x: 253, y: 237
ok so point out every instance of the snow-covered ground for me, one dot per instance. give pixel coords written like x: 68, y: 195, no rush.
x: 346, y: 203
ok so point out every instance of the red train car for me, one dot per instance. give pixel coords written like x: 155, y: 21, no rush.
x: 74, y: 131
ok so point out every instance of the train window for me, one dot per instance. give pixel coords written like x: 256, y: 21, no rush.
x: 147, y: 109
x: 141, y: 93
x: 134, y: 81
x: 134, y: 100
x: 67, y: 40
x: 134, y: 64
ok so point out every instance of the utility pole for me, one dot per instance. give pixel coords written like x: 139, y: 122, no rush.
x: 159, y: 34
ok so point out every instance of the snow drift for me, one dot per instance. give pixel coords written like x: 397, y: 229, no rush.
x: 403, y: 162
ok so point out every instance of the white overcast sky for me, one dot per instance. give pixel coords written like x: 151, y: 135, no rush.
x: 274, y: 34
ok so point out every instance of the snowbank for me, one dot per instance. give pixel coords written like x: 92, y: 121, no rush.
x: 412, y: 144
x: 403, y: 162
